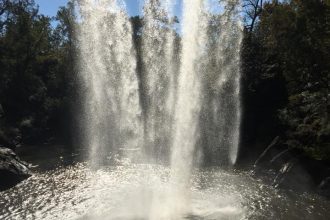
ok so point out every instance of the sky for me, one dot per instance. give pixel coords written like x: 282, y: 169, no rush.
x: 50, y: 7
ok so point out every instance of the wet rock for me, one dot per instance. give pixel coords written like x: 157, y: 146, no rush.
x: 293, y: 176
x: 292, y: 169
x: 12, y: 169
x: 324, y: 187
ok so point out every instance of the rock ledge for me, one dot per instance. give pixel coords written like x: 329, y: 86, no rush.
x: 12, y: 169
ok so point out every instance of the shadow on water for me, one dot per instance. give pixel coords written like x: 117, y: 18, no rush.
x: 50, y: 156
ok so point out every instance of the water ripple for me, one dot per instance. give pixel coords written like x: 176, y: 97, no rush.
x: 141, y: 192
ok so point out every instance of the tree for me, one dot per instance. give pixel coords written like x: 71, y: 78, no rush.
x: 253, y: 9
x: 291, y: 43
x: 36, y: 69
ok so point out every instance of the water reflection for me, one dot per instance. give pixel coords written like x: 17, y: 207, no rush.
x: 129, y: 191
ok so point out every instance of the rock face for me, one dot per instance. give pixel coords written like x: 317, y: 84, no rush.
x: 12, y: 169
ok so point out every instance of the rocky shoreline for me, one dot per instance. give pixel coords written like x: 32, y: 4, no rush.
x: 12, y: 169
x: 291, y: 169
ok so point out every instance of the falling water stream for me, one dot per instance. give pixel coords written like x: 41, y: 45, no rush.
x: 108, y: 69
x: 168, y: 104
x: 156, y: 109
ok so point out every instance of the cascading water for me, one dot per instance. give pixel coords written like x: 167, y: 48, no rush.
x: 228, y: 57
x: 220, y: 114
x: 188, y: 106
x: 108, y: 68
x: 168, y: 101
x: 181, y: 103
x: 158, y: 76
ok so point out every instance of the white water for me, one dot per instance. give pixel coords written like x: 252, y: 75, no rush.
x: 222, y: 87
x: 158, y: 76
x: 188, y: 102
x: 108, y: 68
x: 194, y: 102
x: 181, y: 106
x: 125, y: 192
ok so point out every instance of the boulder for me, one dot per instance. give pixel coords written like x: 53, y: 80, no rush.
x: 12, y: 169
x: 293, y: 176
x: 324, y: 187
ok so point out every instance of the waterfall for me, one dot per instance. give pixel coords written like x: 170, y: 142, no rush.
x: 228, y: 56
x: 188, y: 106
x: 220, y: 114
x: 108, y: 69
x: 169, y: 96
x: 158, y: 76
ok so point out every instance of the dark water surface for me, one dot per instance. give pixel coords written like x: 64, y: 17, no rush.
x: 70, y: 190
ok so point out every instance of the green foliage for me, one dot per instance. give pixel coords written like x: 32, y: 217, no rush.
x: 36, y: 68
x: 291, y: 41
x: 308, y: 125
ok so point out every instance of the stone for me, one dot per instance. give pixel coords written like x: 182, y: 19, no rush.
x: 324, y: 187
x: 12, y: 169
